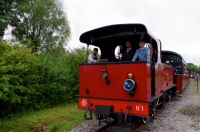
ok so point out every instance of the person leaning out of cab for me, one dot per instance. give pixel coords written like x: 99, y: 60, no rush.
x: 185, y: 70
x: 178, y: 70
x: 143, y: 53
x: 92, y: 58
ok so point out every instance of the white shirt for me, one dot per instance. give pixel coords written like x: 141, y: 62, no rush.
x: 90, y: 59
x: 128, y: 49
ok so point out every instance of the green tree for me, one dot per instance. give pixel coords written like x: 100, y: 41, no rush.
x: 192, y: 67
x: 7, y: 8
x: 34, y: 81
x: 18, y: 78
x: 41, y: 25
x: 73, y: 59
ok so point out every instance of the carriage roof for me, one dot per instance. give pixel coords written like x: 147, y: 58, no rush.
x: 175, y: 54
x: 172, y: 53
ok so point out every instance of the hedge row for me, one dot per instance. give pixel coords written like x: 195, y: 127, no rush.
x: 31, y: 81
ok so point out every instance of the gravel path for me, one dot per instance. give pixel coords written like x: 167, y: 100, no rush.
x: 169, y: 119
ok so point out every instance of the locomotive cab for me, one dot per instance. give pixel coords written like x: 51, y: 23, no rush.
x: 110, y: 37
x: 117, y: 87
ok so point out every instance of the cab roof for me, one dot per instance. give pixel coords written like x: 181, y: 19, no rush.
x: 94, y: 37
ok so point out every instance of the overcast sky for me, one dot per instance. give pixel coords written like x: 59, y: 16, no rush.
x: 175, y: 22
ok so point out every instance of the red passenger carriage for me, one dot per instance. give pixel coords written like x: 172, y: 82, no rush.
x: 174, y: 59
x: 118, y: 88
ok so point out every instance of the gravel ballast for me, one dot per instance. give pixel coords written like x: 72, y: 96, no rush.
x: 171, y: 118
x: 176, y: 116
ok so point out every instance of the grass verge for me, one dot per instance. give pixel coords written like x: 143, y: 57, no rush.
x: 196, y: 87
x: 191, y: 110
x: 61, y: 118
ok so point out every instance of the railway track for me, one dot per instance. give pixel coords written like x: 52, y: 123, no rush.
x: 121, y: 128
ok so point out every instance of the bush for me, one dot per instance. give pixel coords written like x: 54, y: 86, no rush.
x: 35, y: 81
x: 59, y: 76
x: 18, y: 78
x: 53, y: 82
x: 73, y: 59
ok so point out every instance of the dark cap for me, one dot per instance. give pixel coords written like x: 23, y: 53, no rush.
x: 95, y: 49
x: 141, y: 40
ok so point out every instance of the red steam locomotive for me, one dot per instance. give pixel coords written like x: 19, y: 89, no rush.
x: 122, y: 89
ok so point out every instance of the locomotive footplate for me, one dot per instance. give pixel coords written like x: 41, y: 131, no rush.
x: 103, y: 110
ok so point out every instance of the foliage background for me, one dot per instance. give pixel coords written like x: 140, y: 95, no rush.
x: 30, y: 81
x: 193, y: 68
x: 36, y: 71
